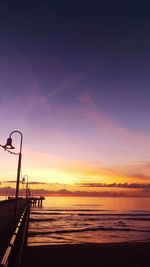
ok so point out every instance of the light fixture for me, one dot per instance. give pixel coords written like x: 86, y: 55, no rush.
x: 8, y: 144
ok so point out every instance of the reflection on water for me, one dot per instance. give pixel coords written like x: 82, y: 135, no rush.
x: 66, y: 220
x: 3, y: 198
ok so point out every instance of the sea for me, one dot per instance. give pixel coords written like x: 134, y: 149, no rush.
x: 77, y: 220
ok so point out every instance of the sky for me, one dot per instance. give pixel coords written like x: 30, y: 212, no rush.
x: 74, y: 80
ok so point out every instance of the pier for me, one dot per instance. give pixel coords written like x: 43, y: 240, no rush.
x: 8, y: 225
x: 37, y: 201
x: 13, y: 229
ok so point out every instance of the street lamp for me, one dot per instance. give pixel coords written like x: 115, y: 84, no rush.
x: 25, y: 179
x: 10, y: 146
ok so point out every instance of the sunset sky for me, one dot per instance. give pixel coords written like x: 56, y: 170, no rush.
x: 74, y: 79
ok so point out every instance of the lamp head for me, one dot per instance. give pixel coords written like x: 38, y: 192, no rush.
x: 9, y: 144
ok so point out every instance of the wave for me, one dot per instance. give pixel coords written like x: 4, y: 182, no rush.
x: 88, y: 230
x: 58, y: 211
x: 80, y: 205
x: 93, y: 214
x: 42, y: 220
x: 115, y: 219
x: 89, y: 219
x: 114, y: 214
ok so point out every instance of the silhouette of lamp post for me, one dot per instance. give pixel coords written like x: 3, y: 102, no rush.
x: 10, y: 146
x: 25, y: 179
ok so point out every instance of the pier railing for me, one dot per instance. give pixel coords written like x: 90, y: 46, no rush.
x: 13, y: 253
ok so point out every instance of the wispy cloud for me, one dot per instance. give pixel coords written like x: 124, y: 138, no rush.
x: 116, y: 185
x: 92, y: 112
x: 14, y: 182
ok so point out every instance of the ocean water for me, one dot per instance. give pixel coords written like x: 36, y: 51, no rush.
x: 70, y: 220
x: 3, y: 198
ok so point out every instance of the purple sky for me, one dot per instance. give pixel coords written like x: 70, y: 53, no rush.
x: 74, y: 79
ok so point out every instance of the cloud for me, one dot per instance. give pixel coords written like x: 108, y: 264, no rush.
x: 116, y: 185
x: 138, y: 171
x: 140, y: 176
x: 14, y: 182
x: 92, y: 112
x: 9, y: 181
x: 37, y: 183
x: 79, y: 193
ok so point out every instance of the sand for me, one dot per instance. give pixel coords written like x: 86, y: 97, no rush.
x: 114, y: 255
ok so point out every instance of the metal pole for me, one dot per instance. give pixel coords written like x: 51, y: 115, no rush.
x: 27, y: 187
x: 17, y: 185
x: 18, y: 174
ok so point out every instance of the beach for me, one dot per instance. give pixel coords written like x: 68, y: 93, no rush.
x: 74, y: 232
x: 76, y: 255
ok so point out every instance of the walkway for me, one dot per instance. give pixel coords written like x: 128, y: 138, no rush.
x: 7, y: 221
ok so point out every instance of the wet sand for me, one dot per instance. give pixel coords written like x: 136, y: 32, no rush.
x: 94, y: 255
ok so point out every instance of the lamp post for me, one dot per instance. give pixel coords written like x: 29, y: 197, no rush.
x: 10, y: 146
x: 25, y: 178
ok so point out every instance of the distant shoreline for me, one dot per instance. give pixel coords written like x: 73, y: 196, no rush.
x: 76, y: 195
